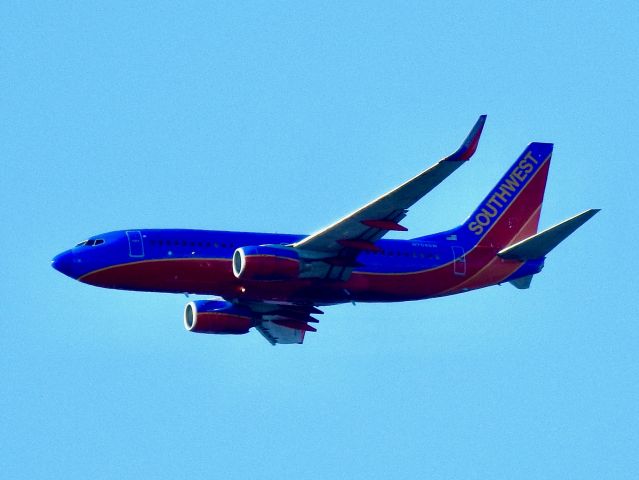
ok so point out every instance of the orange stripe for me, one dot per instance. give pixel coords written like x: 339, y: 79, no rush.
x: 530, y: 180
x: 480, y: 238
x: 496, y: 259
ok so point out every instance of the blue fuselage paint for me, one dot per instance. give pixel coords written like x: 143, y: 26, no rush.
x: 199, y: 261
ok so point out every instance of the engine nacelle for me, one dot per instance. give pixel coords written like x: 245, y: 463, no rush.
x: 215, y: 316
x: 266, y: 262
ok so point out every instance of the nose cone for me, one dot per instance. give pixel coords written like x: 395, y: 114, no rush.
x: 63, y: 263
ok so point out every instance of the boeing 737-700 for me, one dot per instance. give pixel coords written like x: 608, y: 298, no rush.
x: 276, y: 283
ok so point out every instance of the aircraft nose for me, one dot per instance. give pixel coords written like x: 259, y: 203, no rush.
x: 63, y: 263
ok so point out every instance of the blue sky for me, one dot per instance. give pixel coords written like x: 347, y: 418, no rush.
x: 283, y: 117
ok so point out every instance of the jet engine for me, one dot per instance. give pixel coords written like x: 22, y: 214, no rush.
x: 215, y: 316
x: 266, y: 262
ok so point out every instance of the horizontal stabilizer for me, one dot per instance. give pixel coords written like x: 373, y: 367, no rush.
x: 522, y: 283
x: 540, y: 244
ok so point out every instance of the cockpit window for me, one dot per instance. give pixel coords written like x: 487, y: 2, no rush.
x: 90, y: 243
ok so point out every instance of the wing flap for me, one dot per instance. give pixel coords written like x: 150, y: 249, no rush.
x: 283, y: 323
x: 276, y: 333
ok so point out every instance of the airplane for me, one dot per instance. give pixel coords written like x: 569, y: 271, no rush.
x: 276, y: 283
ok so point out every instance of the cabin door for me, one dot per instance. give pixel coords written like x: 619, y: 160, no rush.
x: 459, y: 264
x: 136, y: 248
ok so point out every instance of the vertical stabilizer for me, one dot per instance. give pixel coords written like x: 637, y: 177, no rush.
x: 510, y: 212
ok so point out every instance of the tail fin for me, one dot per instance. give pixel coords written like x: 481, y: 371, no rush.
x: 510, y: 212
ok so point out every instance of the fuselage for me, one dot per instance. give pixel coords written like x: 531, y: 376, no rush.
x: 200, y: 262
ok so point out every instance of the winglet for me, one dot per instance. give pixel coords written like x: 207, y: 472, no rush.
x: 469, y: 146
x: 539, y: 245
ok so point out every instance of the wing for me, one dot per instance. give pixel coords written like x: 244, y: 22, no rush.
x: 373, y: 221
x: 360, y: 230
x: 283, y: 322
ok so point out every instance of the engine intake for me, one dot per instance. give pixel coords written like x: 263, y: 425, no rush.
x: 266, y: 262
x: 214, y: 316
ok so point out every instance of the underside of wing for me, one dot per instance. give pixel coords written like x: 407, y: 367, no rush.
x: 283, y: 323
x: 276, y: 333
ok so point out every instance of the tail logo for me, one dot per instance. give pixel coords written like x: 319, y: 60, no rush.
x: 502, y: 195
